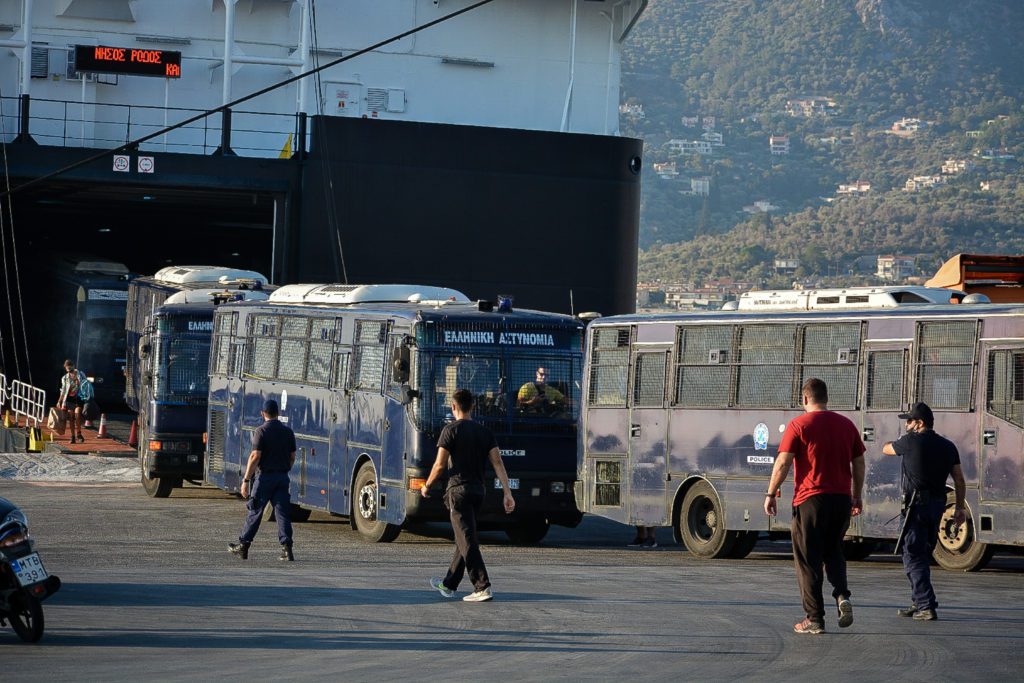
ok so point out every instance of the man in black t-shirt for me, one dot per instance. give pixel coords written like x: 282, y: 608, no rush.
x: 928, y: 459
x: 464, y: 448
x: 273, y: 454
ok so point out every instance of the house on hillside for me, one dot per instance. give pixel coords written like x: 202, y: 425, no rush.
x: 708, y: 123
x: 689, y: 146
x: 920, y: 182
x: 690, y: 121
x: 808, y: 107
x: 714, y: 138
x: 908, y: 125
x: 760, y: 206
x: 635, y: 111
x: 701, y: 186
x: 994, y: 154
x: 956, y: 166
x: 894, y: 268
x: 858, y: 188
x: 786, y: 266
x: 666, y: 171
x: 973, y: 133
x: 779, y: 144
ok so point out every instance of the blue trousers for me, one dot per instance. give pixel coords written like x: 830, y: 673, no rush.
x: 918, y: 544
x: 269, y: 487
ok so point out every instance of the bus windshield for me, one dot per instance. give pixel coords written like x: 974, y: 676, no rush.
x: 180, y: 370
x: 521, y: 389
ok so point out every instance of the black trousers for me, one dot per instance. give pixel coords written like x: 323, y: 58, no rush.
x: 464, y: 504
x: 918, y: 544
x: 819, y: 524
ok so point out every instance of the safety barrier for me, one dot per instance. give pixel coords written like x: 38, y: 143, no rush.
x: 29, y: 401
x: 4, y: 392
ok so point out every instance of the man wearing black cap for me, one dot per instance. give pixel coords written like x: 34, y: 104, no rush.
x: 272, y: 456
x: 928, y: 459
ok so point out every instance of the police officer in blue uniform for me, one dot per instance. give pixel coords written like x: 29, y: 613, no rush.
x: 928, y: 459
x: 272, y: 456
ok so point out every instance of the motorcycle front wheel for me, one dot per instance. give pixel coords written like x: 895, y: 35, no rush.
x: 27, y: 618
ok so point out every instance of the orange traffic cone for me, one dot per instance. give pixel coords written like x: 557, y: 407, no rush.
x: 87, y: 424
x: 133, y: 436
x: 102, y: 433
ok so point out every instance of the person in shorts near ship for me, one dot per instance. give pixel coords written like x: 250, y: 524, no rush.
x: 829, y: 457
x: 272, y: 456
x: 538, y: 396
x: 75, y: 390
x: 463, y: 449
x: 928, y: 459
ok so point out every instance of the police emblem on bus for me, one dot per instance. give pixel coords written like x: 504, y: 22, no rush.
x: 761, y: 437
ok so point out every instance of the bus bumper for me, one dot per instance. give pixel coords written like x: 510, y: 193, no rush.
x: 174, y: 456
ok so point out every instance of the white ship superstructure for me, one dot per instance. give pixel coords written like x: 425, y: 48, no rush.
x: 530, y: 64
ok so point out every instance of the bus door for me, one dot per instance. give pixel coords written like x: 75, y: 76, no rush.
x: 339, y: 463
x: 885, y: 396
x: 393, y: 456
x: 648, y: 434
x: 1001, y: 443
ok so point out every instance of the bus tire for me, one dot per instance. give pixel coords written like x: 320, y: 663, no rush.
x: 364, y: 508
x: 857, y: 549
x: 701, y: 523
x: 958, y: 549
x: 528, y: 530
x: 743, y: 544
x: 159, y: 487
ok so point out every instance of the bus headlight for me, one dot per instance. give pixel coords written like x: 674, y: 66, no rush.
x: 558, y: 487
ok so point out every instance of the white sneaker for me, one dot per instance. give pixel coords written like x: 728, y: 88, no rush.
x: 479, y: 596
x: 438, y: 585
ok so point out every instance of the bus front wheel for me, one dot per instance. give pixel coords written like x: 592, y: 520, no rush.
x: 701, y: 523
x: 364, y: 508
x: 959, y: 549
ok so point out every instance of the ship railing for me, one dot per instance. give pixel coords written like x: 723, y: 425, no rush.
x: 28, y: 401
x: 97, y: 125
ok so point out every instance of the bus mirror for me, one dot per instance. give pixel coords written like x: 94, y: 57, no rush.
x: 408, y: 394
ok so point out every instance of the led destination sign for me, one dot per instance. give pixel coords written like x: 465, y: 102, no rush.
x: 127, y: 60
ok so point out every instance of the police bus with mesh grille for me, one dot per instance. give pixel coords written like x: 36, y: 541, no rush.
x: 683, y: 413
x: 169, y: 325
x: 364, y: 375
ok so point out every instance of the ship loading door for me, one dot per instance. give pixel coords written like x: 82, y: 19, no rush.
x: 648, y: 436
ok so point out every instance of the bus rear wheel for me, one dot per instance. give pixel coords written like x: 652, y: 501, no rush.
x: 364, y: 508
x: 959, y: 549
x: 159, y: 487
x: 701, y: 523
x: 528, y: 530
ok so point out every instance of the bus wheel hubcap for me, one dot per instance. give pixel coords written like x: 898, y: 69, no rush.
x: 368, y: 501
x: 952, y: 537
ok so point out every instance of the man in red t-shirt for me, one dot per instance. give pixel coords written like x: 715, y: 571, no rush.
x: 829, y: 457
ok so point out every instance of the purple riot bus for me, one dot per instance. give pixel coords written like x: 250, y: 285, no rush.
x: 682, y: 413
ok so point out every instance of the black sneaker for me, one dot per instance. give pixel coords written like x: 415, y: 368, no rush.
x: 635, y: 543
x: 925, y: 615
x: 286, y: 554
x: 650, y: 543
x: 907, y: 611
x: 239, y: 549
x: 845, y: 612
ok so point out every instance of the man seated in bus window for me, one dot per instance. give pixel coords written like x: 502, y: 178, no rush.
x: 539, y: 396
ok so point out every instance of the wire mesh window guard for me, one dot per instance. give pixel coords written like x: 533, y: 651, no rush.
x: 945, y: 363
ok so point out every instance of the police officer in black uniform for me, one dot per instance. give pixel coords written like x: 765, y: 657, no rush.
x: 273, y: 454
x: 928, y: 459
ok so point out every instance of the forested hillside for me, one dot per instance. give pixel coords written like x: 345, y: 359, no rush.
x: 955, y: 67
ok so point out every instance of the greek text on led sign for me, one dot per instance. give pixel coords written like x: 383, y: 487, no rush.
x: 127, y: 60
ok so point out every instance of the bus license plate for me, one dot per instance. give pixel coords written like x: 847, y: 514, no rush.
x: 29, y: 569
x: 512, y: 483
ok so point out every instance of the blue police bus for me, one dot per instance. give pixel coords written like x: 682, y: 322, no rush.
x: 364, y: 375
x: 169, y: 326
x: 683, y: 412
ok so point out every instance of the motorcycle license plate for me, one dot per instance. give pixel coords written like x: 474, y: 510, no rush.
x: 512, y: 483
x: 29, y: 569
